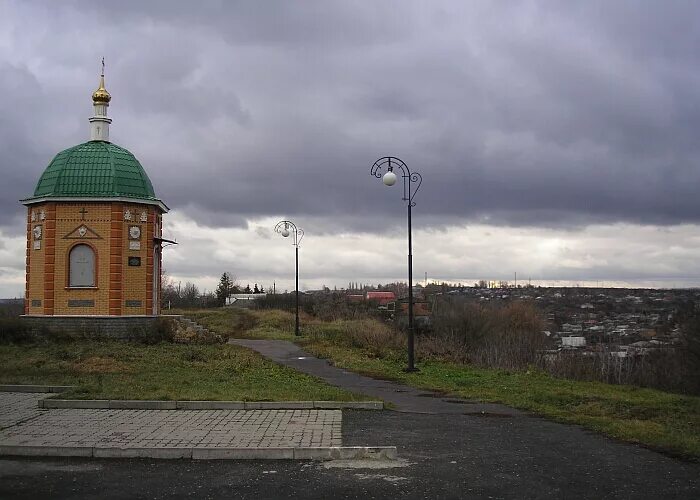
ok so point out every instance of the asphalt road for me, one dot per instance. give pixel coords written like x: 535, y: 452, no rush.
x: 442, y: 456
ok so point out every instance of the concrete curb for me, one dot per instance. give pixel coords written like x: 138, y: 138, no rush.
x: 210, y: 405
x: 207, y: 405
x: 34, y: 388
x: 46, y: 451
x: 121, y: 404
x: 317, y: 453
x: 74, y: 403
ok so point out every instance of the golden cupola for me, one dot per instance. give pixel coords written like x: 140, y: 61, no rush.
x: 99, y: 123
x: 101, y: 95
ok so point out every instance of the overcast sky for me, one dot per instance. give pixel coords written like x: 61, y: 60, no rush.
x: 555, y: 140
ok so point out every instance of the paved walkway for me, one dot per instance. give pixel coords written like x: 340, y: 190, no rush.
x: 22, y: 423
x: 403, y: 397
x: 18, y: 407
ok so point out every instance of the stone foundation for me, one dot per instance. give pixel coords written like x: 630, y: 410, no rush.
x: 108, y: 327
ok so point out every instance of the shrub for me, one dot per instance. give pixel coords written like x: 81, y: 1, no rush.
x: 374, y: 337
x: 690, y: 351
x: 284, y: 301
x: 276, y: 319
x: 226, y: 321
x: 326, y: 307
x: 161, y: 330
x: 508, y: 337
x: 12, y: 308
x: 194, y: 355
x: 664, y: 369
x: 13, y: 331
x: 188, y: 335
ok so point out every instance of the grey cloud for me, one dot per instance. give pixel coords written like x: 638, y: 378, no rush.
x: 263, y: 233
x: 527, y: 115
x: 20, y: 90
x: 271, y: 23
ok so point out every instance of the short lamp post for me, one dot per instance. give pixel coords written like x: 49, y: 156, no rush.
x: 286, y: 228
x: 411, y: 184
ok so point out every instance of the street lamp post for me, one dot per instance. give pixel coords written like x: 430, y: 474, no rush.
x: 411, y: 184
x: 283, y: 227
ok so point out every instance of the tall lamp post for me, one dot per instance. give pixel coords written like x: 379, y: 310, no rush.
x: 411, y: 184
x: 285, y: 228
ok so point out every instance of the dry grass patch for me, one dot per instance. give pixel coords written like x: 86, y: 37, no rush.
x: 99, y: 364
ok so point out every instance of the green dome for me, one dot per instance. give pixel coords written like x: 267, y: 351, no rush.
x: 95, y: 169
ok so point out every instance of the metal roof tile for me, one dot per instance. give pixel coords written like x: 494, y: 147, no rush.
x: 95, y: 168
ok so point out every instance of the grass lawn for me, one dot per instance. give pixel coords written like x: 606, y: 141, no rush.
x: 117, y: 370
x: 665, y: 421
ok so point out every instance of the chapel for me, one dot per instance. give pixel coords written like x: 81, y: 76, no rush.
x: 94, y: 230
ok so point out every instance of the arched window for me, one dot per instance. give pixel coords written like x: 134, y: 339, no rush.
x: 82, y: 266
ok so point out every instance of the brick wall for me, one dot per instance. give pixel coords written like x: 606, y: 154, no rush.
x: 35, y: 265
x: 121, y: 287
x: 135, y: 278
x: 69, y: 219
x: 49, y: 258
x: 114, y: 327
x: 116, y: 259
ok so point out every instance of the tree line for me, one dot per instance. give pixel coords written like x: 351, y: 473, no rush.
x: 175, y: 295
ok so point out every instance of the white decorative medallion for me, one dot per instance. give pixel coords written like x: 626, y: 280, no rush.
x: 82, y: 231
x: 134, y: 232
x: 134, y: 245
x: 127, y: 214
x: 144, y: 216
x: 42, y: 215
x: 33, y: 216
x: 37, y: 237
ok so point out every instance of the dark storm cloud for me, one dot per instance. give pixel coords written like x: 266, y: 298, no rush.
x: 276, y: 22
x: 19, y: 90
x: 521, y: 114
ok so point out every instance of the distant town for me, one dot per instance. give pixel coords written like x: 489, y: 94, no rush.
x: 622, y: 322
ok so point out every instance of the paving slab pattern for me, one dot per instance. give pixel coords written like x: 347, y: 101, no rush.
x: 16, y: 407
x: 26, y: 425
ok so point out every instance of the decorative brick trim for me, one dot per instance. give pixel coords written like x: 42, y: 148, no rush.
x: 158, y: 216
x: 115, y: 260
x: 149, y: 261
x: 49, y: 258
x: 27, y: 259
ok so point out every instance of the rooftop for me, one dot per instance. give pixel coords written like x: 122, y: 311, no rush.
x: 94, y: 169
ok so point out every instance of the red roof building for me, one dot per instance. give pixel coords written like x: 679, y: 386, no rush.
x: 382, y: 298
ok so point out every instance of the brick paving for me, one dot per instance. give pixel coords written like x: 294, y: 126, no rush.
x: 23, y: 424
x: 16, y: 407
